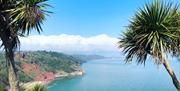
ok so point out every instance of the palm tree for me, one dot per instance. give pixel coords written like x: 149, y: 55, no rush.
x: 37, y: 87
x: 18, y: 18
x: 153, y: 32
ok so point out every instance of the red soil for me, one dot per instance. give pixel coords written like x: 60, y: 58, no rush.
x: 30, y: 69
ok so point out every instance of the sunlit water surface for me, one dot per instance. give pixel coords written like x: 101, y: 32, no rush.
x: 115, y: 75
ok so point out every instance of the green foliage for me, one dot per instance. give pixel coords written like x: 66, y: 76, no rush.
x: 155, y: 29
x: 23, y: 77
x: 21, y: 89
x: 37, y: 87
x: 1, y: 88
x: 48, y: 61
x: 52, y: 61
x: 28, y: 14
x: 18, y: 18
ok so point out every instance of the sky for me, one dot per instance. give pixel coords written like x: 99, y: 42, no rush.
x: 83, y: 25
x: 89, y: 17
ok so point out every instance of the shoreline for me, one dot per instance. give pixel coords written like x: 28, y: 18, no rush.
x: 60, y: 74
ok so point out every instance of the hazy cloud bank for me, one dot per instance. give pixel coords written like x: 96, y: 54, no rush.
x: 70, y: 43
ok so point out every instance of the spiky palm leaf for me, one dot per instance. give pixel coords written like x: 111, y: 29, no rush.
x: 21, y: 16
x: 37, y: 87
x: 18, y: 18
x: 28, y: 15
x: 153, y: 30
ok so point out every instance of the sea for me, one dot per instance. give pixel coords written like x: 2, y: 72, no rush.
x: 113, y: 74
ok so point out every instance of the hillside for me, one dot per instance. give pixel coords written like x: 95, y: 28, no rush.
x: 40, y: 65
x: 85, y: 58
x: 43, y: 65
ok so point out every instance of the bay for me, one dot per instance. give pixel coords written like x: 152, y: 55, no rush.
x: 115, y: 75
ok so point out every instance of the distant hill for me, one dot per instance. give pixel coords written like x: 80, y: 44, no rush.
x: 32, y: 65
x: 40, y: 65
x: 88, y: 57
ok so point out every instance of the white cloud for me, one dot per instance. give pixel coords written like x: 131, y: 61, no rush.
x: 70, y: 43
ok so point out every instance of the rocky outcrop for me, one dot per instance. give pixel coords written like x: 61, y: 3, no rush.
x: 50, y: 77
x: 45, y: 76
x: 38, y: 74
x: 65, y: 74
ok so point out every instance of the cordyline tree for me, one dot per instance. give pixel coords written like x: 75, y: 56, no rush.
x: 154, y: 32
x: 37, y: 87
x: 18, y: 18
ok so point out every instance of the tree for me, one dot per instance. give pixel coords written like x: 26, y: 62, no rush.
x: 153, y: 32
x: 18, y: 18
x: 37, y: 87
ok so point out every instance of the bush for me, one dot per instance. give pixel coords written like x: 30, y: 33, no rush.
x: 23, y: 77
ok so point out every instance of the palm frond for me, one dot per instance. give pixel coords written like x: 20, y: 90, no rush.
x: 37, y: 87
x: 29, y: 15
x: 154, y: 23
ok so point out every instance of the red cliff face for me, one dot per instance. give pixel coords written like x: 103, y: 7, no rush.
x: 38, y: 74
x: 33, y: 70
x: 45, y: 76
x: 30, y: 68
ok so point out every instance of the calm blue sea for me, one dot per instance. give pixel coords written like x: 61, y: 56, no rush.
x: 115, y: 75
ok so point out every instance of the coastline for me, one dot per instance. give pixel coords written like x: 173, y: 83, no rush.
x: 60, y: 74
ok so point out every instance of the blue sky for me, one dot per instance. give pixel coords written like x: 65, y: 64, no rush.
x: 90, y: 17
x: 84, y: 25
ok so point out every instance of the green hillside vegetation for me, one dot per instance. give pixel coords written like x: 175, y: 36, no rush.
x: 52, y: 61
x: 48, y: 61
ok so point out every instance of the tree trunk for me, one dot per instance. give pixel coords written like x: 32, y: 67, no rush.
x: 175, y: 80
x: 12, y: 76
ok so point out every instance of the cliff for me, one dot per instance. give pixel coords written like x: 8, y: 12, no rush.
x: 40, y: 65
x: 43, y: 67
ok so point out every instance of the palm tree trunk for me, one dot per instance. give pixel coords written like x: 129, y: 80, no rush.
x: 175, y: 80
x: 12, y: 76
x: 9, y: 51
